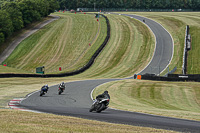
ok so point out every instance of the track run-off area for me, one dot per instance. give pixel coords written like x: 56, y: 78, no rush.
x: 76, y: 100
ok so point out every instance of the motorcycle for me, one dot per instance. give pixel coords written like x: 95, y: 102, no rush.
x: 42, y: 91
x: 99, y: 105
x: 60, y: 90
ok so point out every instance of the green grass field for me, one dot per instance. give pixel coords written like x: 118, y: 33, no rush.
x: 20, y: 121
x: 175, y: 23
x: 194, y: 54
x: 18, y: 33
x: 63, y: 43
x: 129, y: 49
x: 124, y: 43
x: 174, y: 99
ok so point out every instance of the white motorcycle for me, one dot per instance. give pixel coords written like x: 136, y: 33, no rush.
x: 99, y: 105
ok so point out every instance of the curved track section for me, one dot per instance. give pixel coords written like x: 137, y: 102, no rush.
x: 164, y: 46
x: 76, y: 101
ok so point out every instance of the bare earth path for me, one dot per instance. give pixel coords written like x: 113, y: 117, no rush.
x: 15, y: 43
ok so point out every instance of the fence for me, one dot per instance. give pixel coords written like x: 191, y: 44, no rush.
x: 186, y: 49
x: 173, y: 77
x: 132, y: 10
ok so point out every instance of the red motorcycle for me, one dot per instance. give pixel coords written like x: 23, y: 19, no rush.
x: 60, y: 90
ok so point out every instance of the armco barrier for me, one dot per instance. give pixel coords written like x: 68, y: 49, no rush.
x: 189, y: 76
x: 88, y: 65
x: 184, y: 66
x: 173, y: 77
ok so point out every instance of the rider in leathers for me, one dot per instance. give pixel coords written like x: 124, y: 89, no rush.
x: 45, y: 88
x: 104, y: 95
x: 62, y: 86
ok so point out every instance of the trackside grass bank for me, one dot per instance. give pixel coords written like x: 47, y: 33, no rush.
x: 131, y: 42
x: 22, y: 31
x: 194, y: 54
x: 175, y: 23
x: 19, y: 121
x: 62, y: 43
x: 128, y: 51
x: 6, y: 69
x: 174, y: 99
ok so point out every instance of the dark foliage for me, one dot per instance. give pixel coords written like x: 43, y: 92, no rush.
x: 15, y: 14
x: 131, y: 4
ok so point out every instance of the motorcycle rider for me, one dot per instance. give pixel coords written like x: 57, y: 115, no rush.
x: 103, y: 95
x: 101, y: 102
x: 45, y: 88
x: 62, y: 86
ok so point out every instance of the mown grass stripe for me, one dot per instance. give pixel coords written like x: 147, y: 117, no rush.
x: 162, y: 98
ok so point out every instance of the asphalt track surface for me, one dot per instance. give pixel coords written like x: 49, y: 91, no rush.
x: 163, y: 48
x: 76, y: 101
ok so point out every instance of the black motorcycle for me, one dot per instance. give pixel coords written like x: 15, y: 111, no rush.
x: 42, y: 92
x: 60, y: 90
x: 99, y: 105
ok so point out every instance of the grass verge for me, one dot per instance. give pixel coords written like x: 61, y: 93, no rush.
x: 174, y: 99
x: 63, y: 43
x: 18, y: 33
x: 194, y: 54
x: 129, y: 49
x: 19, y: 121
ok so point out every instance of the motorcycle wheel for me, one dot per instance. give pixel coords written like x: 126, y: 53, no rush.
x: 100, y: 108
x: 41, y: 93
x: 59, y: 92
x: 92, y: 108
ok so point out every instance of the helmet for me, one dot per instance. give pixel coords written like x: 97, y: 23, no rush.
x: 46, y: 85
x: 62, y: 83
x: 105, y: 91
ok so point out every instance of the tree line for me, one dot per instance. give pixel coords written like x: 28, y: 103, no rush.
x: 131, y: 4
x: 16, y: 14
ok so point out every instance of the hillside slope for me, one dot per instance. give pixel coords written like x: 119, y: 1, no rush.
x: 63, y: 43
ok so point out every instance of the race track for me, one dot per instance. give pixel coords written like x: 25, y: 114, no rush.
x: 163, y: 48
x: 76, y: 99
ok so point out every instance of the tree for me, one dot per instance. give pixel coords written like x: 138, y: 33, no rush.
x: 29, y: 11
x: 157, y: 4
x: 148, y: 4
x: 196, y: 4
x: 6, y: 26
x: 42, y: 6
x: 53, y: 5
x: 2, y: 38
x: 14, y: 11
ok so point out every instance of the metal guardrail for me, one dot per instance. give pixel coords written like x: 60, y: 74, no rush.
x: 185, y: 50
x: 132, y: 10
